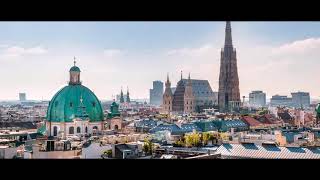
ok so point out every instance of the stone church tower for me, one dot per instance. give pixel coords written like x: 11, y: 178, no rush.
x: 229, y: 93
x: 189, y: 99
x: 167, y: 97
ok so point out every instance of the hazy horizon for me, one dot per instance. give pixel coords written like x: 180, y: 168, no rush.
x: 35, y: 57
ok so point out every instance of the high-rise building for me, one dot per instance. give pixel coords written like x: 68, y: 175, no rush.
x: 156, y: 93
x: 300, y: 99
x: 229, y: 93
x: 278, y: 100
x: 257, y: 99
x: 22, y: 97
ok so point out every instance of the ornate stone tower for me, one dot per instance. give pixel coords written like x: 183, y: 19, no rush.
x: 167, y: 97
x: 229, y: 93
x: 128, y: 97
x: 189, y: 99
x: 121, y: 96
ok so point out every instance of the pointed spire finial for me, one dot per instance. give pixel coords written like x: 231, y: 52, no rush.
x: 228, y: 36
x: 74, y: 60
x: 181, y: 74
x: 189, y: 76
x: 167, y: 77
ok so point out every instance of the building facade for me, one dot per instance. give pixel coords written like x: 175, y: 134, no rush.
x: 190, y: 95
x: 74, y: 109
x: 183, y: 97
x: 300, y: 99
x: 167, y: 98
x: 257, y: 99
x: 229, y: 93
x: 156, y: 93
x: 22, y: 97
x: 278, y: 100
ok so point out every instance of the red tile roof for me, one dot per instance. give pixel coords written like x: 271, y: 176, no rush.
x: 269, y: 119
x: 251, y: 121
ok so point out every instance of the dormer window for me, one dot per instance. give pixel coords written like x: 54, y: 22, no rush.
x: 71, y: 104
x: 94, y: 104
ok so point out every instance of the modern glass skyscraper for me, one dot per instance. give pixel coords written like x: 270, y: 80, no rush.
x: 156, y: 93
x: 257, y: 99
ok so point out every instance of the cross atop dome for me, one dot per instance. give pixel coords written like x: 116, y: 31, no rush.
x: 74, y: 61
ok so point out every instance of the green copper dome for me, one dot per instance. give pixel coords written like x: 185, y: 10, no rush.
x: 66, y: 105
x: 75, y: 68
x: 114, y: 110
x: 318, y: 109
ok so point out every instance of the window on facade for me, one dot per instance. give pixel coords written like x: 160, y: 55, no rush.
x: 78, y: 130
x: 71, y: 130
x: 55, y: 131
x: 86, y: 129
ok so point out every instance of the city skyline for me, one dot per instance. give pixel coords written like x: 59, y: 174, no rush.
x: 35, y: 56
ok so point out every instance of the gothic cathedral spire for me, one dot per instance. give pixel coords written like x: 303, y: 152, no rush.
x: 228, y: 36
x: 121, y: 96
x: 128, y: 97
x: 229, y: 93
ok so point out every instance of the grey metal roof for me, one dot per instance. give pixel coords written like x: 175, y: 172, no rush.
x: 200, y: 88
x: 146, y: 123
x: 190, y: 127
x: 235, y: 123
x: 173, y: 128
x: 267, y: 152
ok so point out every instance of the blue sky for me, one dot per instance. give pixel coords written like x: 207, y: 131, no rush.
x: 35, y: 56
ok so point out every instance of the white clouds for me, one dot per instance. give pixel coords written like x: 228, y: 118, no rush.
x: 274, y: 69
x: 193, y: 52
x: 111, y: 53
x: 298, y: 47
x: 17, y: 51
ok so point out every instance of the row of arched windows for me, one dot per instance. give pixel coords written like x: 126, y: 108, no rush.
x: 71, y: 130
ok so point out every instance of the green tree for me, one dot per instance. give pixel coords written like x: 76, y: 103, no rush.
x: 193, y: 139
x: 148, y: 146
x: 205, y: 138
x: 189, y: 140
x: 196, y: 139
